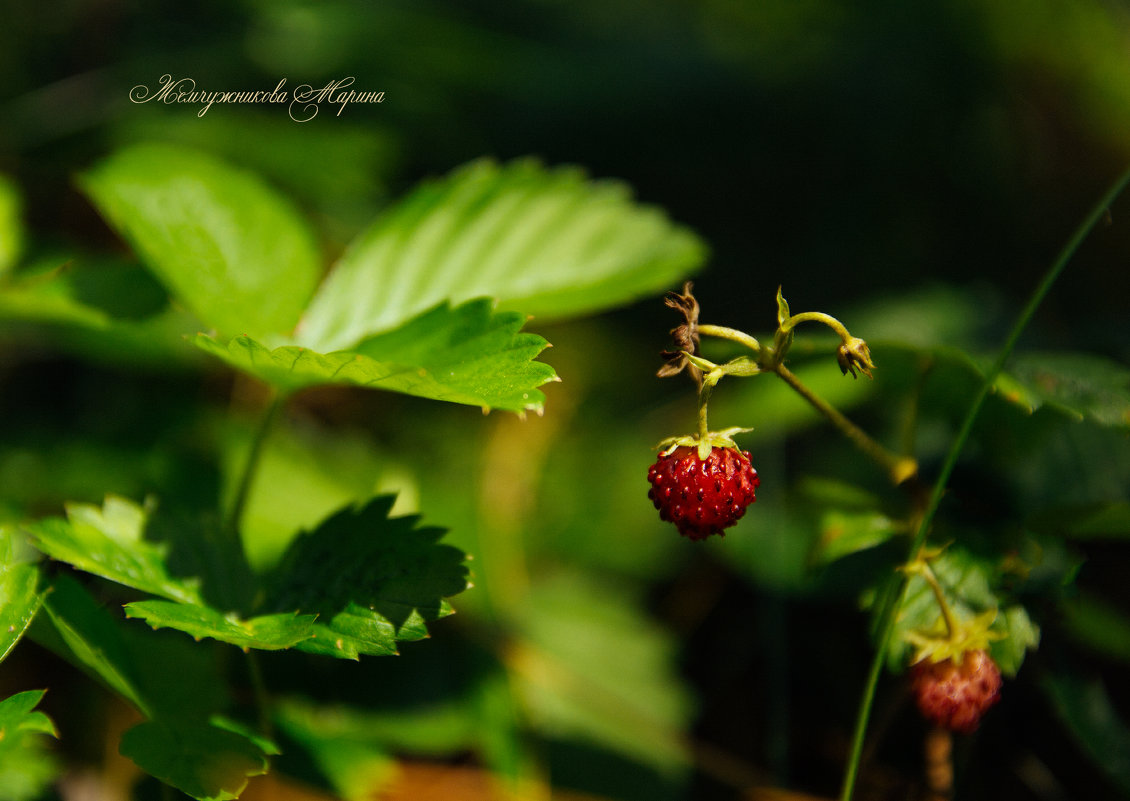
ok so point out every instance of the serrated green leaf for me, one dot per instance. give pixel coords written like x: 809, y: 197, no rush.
x: 267, y: 632
x: 1080, y: 384
x: 843, y: 533
x: 966, y: 580
x: 1088, y: 713
x: 19, y: 583
x: 26, y: 767
x: 202, y: 760
x: 108, y: 542
x: 93, y: 638
x: 11, y: 224
x: 371, y: 580
x: 236, y: 253
x: 463, y: 355
x: 544, y: 242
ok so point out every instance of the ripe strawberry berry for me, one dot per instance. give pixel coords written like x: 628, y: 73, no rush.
x: 956, y: 695
x: 702, y: 497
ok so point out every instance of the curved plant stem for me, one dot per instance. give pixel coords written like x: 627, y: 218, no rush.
x: 250, y: 465
x: 816, y: 317
x: 900, y: 468
x: 731, y: 334
x: 887, y: 624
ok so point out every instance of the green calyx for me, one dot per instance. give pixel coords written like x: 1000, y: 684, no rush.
x: 949, y: 637
x: 705, y: 443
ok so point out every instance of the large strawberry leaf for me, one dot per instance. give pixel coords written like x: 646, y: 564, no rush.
x: 544, y: 242
x: 19, y: 582
x: 200, y: 758
x: 372, y: 580
x: 235, y: 252
x: 108, y: 542
x: 1081, y: 385
x: 465, y: 355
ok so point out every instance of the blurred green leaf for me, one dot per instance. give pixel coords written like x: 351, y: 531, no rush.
x: 19, y: 582
x: 1080, y: 384
x: 235, y: 252
x: 372, y: 580
x: 348, y: 754
x: 108, y: 542
x: 93, y: 638
x: 26, y: 768
x: 591, y: 666
x: 1098, y: 625
x: 267, y: 632
x: 543, y: 242
x: 966, y: 579
x: 11, y: 224
x: 844, y: 533
x: 464, y: 355
x: 1101, y: 521
x: 200, y: 759
x: 1088, y: 712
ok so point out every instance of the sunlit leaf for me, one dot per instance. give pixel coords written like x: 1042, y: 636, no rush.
x: 372, y: 580
x: 464, y: 355
x: 201, y: 759
x: 237, y: 254
x: 19, y: 582
x: 267, y: 632
x: 844, y: 533
x: 544, y: 242
x: 108, y: 542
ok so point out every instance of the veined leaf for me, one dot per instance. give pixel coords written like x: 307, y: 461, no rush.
x: 107, y: 542
x: 544, y: 242
x: 465, y: 355
x: 199, y: 758
x: 370, y: 579
x: 268, y: 632
x: 236, y: 253
x: 19, y: 595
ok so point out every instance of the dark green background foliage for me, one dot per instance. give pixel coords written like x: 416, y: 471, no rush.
x: 909, y: 169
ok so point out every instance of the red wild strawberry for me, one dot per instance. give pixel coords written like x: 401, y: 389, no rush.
x: 955, y: 695
x: 702, y: 497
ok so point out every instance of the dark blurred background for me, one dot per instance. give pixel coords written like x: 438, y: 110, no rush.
x: 931, y: 158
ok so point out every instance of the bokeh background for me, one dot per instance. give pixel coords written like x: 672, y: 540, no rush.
x: 910, y: 169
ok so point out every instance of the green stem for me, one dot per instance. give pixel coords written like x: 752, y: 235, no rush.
x: 939, y: 595
x: 886, y: 628
x: 250, y: 466
x: 732, y: 334
x: 900, y: 468
x: 259, y: 690
x: 816, y: 317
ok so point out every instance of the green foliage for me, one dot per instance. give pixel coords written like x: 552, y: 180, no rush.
x: 237, y: 254
x: 463, y: 355
x: 201, y: 759
x: 26, y: 768
x: 19, y: 588
x: 1088, y: 713
x: 266, y: 632
x: 544, y: 242
x: 371, y: 579
x: 11, y: 224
